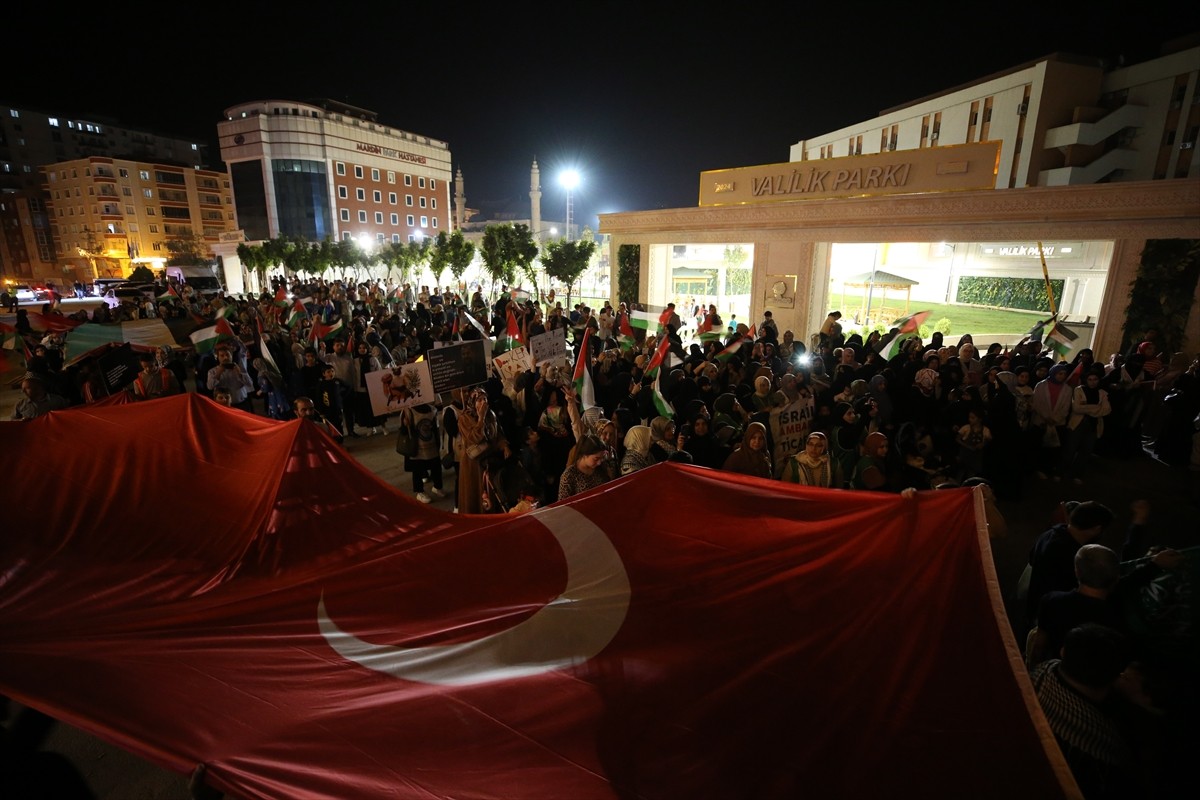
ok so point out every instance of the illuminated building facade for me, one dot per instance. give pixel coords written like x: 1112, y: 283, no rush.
x: 332, y: 171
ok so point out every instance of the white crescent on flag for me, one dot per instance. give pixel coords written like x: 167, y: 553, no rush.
x: 569, y: 630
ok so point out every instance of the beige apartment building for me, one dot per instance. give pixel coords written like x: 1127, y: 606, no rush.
x: 108, y: 215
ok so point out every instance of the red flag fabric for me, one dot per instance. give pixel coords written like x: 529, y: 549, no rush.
x: 52, y: 323
x: 660, y: 353
x: 514, y: 330
x: 316, y: 634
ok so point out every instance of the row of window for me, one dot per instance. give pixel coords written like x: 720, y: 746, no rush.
x: 359, y: 173
x: 377, y: 196
x: 110, y: 209
x: 409, y: 220
x: 379, y: 237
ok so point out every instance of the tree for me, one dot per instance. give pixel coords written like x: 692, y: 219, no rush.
x: 453, y: 251
x: 255, y: 259
x: 565, y: 261
x: 188, y: 251
x: 141, y: 274
x: 629, y: 261
x: 507, y: 250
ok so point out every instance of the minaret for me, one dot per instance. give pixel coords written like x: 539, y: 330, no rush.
x: 535, y: 203
x: 460, y: 200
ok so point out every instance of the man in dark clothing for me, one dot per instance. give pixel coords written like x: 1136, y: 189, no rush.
x: 1052, y: 558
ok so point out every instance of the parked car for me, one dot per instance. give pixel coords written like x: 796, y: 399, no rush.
x: 102, y: 285
x: 31, y: 294
x: 132, y: 292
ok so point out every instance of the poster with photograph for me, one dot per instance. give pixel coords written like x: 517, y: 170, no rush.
x: 548, y: 346
x: 399, y: 387
x: 512, y: 363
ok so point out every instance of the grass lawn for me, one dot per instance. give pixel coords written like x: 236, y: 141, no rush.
x: 963, y: 319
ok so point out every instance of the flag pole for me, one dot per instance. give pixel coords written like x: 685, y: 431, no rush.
x: 1046, y: 277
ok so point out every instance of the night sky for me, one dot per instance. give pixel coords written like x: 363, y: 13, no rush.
x: 639, y: 101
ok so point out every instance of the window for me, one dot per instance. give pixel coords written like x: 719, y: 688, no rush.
x: 341, y: 168
x: 379, y: 237
x: 424, y: 222
x: 53, y: 122
x: 125, y: 190
x: 395, y: 219
x: 345, y: 236
x: 157, y: 246
x: 378, y: 217
x: 375, y: 175
x: 408, y: 180
x: 154, y: 229
x: 396, y: 238
x: 433, y: 201
x: 143, y: 174
x: 391, y: 176
x: 358, y: 171
x: 361, y: 194
x: 434, y: 222
x: 432, y: 183
x: 362, y: 216
x: 345, y: 215
x: 12, y: 112
x: 124, y: 173
x: 422, y: 199
x: 408, y: 200
x: 342, y: 193
x: 378, y: 197
x: 129, y: 210
x: 150, y: 212
x: 421, y: 183
x: 409, y: 220
x: 392, y: 198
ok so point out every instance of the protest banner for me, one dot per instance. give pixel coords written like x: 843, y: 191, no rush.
x: 400, y: 387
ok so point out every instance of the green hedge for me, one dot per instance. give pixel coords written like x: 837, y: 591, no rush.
x: 1028, y: 294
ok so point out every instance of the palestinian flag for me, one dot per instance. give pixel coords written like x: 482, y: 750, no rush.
x: 454, y: 332
x: 660, y: 402
x: 625, y: 335
x: 265, y: 351
x: 911, y: 323
x: 733, y: 347
x: 519, y: 295
x: 1061, y: 339
x: 324, y: 332
x: 512, y: 330
x: 643, y: 320
x: 892, y: 348
x: 281, y: 300
x: 296, y: 315
x: 224, y: 312
x: 582, y: 378
x: 169, y: 294
x: 205, y: 339
x: 660, y: 354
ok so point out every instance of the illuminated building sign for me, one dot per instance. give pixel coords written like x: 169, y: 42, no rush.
x: 932, y: 169
x: 387, y: 152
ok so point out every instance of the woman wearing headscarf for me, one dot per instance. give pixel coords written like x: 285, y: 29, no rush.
x: 727, y: 411
x: 480, y: 437
x: 637, y: 450
x: 702, y: 444
x: 878, y: 389
x: 762, y: 393
x: 751, y: 458
x: 871, y: 470
x: 813, y: 465
x: 663, y: 438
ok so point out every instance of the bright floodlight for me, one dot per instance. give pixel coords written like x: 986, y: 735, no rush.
x: 569, y: 179
x: 365, y: 242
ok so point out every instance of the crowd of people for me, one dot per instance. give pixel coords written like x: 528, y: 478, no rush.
x: 877, y: 411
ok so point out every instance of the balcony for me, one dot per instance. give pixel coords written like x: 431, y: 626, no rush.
x: 1092, y: 133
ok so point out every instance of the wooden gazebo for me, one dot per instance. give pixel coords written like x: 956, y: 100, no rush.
x: 882, y: 282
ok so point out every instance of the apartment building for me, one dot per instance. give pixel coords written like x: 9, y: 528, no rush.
x: 109, y: 215
x: 33, y: 138
x: 1061, y: 120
